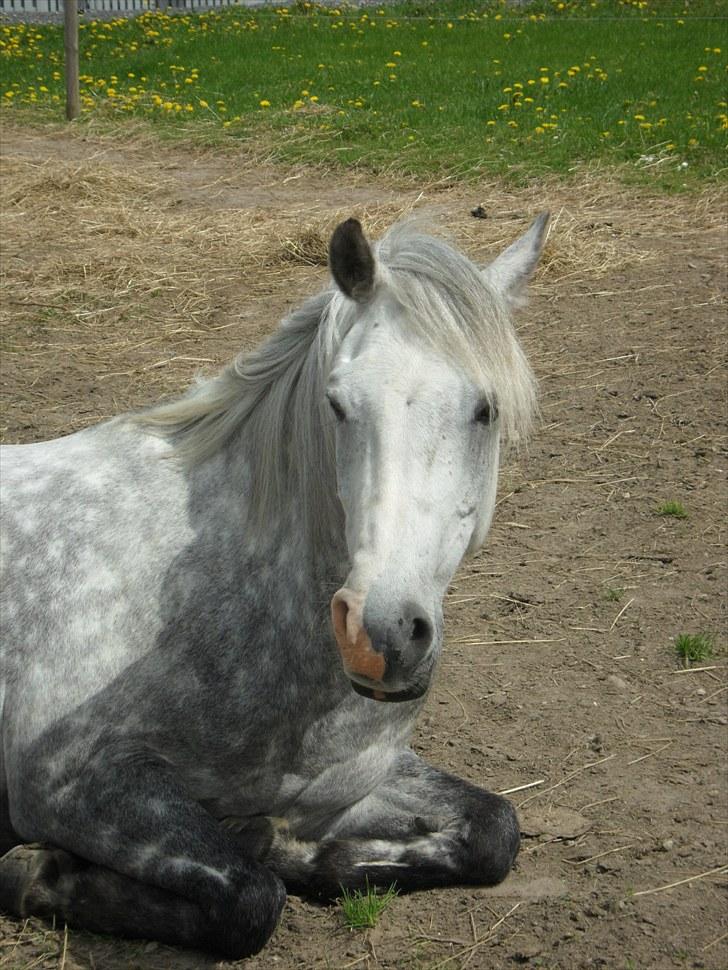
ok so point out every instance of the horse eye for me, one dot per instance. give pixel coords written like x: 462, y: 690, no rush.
x: 486, y: 413
x: 337, y: 409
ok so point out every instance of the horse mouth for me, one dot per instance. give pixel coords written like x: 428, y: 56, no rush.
x: 395, y: 696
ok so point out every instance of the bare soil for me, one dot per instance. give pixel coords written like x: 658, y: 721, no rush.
x: 129, y: 265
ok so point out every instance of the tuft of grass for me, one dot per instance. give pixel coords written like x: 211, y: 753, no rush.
x: 362, y: 908
x: 614, y: 594
x: 675, y: 509
x: 694, y: 647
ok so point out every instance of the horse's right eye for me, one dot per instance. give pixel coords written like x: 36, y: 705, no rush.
x: 337, y: 409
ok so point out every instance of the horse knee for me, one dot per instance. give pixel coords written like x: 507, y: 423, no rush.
x: 495, y: 841
x: 243, y: 920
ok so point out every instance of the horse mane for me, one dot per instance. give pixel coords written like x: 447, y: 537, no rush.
x: 274, y: 396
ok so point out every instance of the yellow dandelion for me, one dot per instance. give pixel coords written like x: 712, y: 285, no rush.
x: 264, y: 103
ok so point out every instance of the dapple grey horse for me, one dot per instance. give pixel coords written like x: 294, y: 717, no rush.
x: 221, y: 615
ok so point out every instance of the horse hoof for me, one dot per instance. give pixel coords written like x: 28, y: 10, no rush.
x: 33, y: 868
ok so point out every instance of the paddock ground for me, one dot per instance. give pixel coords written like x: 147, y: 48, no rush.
x: 130, y: 264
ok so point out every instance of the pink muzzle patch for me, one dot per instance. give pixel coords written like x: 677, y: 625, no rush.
x: 359, y: 656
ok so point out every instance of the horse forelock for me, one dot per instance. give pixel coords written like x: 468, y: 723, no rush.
x: 275, y: 395
x: 452, y: 308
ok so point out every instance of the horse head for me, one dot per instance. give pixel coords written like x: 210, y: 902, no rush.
x: 425, y: 378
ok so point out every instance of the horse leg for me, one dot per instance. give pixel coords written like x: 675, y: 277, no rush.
x: 142, y: 861
x: 420, y: 828
x: 40, y: 880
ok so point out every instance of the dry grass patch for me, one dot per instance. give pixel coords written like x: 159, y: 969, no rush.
x: 138, y: 259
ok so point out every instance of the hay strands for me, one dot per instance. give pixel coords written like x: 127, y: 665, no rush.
x: 719, y: 870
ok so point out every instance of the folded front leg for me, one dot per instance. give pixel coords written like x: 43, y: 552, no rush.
x: 420, y: 828
x: 127, y: 852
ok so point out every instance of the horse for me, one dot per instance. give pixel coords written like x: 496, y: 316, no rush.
x: 221, y: 614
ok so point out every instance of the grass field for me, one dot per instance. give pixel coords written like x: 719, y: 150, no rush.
x: 436, y: 89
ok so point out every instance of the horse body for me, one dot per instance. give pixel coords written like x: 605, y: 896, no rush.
x: 182, y: 727
x: 171, y: 639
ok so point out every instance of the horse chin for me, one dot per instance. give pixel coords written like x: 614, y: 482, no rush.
x: 391, y: 696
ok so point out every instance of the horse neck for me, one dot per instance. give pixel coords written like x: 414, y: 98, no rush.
x: 292, y: 539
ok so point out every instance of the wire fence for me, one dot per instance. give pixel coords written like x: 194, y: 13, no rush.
x: 36, y: 7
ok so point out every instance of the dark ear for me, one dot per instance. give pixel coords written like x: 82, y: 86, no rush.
x: 351, y: 261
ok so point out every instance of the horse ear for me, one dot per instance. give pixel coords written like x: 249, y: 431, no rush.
x: 351, y: 261
x: 510, y: 272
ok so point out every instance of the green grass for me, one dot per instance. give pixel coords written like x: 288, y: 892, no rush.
x: 613, y: 594
x: 362, y: 909
x: 694, y: 647
x: 426, y: 89
x: 674, y: 509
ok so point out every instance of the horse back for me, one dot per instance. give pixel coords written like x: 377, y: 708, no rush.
x: 78, y: 582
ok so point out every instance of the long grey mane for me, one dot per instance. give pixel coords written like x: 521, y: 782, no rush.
x: 274, y: 397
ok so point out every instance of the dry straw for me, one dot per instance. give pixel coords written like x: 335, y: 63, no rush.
x: 132, y: 267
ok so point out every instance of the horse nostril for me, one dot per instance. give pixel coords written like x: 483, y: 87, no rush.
x: 339, y: 613
x: 421, y: 632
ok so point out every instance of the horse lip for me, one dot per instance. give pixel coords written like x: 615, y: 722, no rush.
x: 392, y: 696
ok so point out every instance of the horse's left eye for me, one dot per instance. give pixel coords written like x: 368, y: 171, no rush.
x: 486, y: 413
x: 337, y: 409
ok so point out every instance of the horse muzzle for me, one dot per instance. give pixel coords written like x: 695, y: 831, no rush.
x: 386, y: 659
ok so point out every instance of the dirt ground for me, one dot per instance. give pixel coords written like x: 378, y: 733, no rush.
x: 129, y: 265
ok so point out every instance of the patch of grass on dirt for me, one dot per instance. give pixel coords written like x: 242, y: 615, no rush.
x: 362, y: 909
x: 674, y: 509
x: 694, y: 647
x: 614, y: 594
x: 435, y: 89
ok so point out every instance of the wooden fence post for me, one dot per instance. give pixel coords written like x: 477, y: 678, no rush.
x: 70, y: 33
